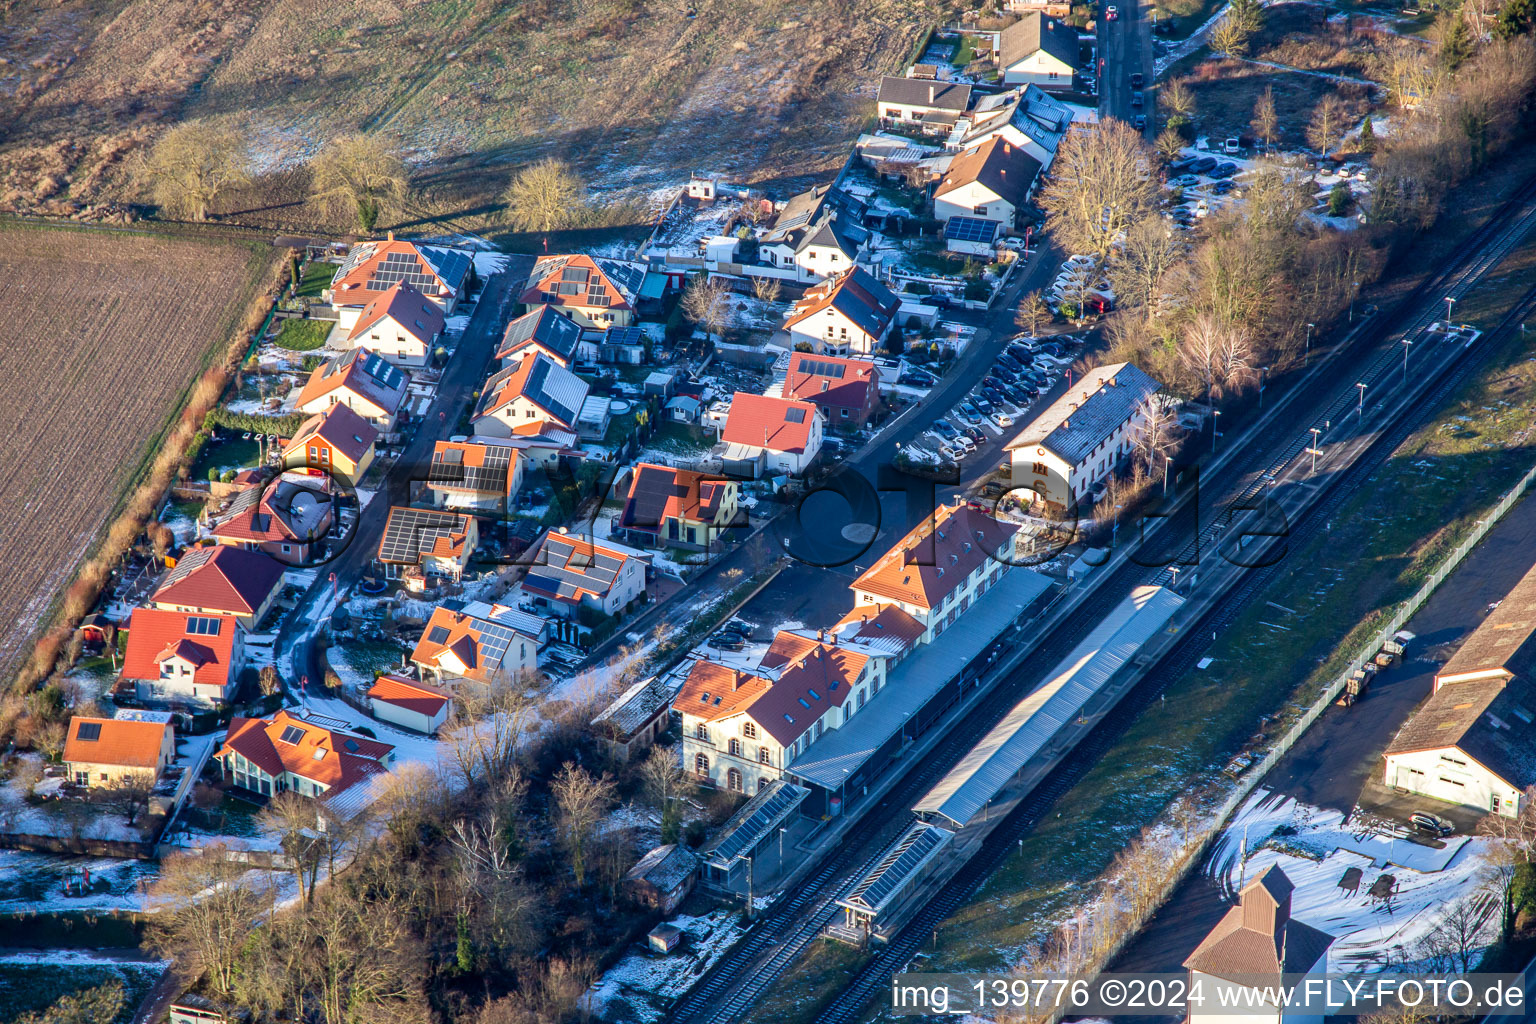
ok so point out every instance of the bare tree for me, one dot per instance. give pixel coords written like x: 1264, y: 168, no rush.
x: 1155, y: 435
x: 1266, y: 122
x: 268, y: 681
x: 544, y: 196
x: 580, y: 800
x: 1216, y: 353
x: 1326, y: 124
x: 360, y: 174
x: 1031, y: 311
x: 195, y: 163
x: 661, y: 775
x: 365, y: 965
x: 1177, y: 98
x: 1275, y: 200
x: 86, y: 1006
x: 1518, y: 833
x: 210, y: 901
x: 48, y: 740
x: 1100, y: 184
x: 705, y: 302
x: 1456, y: 943
x: 1169, y: 144
x: 296, y: 823
x: 497, y: 718
x: 130, y: 793
x: 1138, y: 268
x: 766, y: 289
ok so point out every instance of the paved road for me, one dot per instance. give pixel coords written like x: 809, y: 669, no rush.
x: 1335, y: 758
x: 1125, y: 46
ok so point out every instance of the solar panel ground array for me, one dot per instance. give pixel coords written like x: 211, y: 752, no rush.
x: 101, y: 334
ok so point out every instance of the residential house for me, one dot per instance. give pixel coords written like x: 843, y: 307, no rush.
x: 542, y: 329
x: 474, y: 476
x: 815, y: 235
x: 991, y: 182
x: 439, y: 273
x: 766, y: 435
x: 402, y: 325
x: 1077, y: 440
x: 134, y: 747
x: 1470, y: 742
x: 1038, y: 50
x: 926, y: 103
x: 370, y: 385
x: 221, y: 580
x: 847, y: 391
x: 338, y: 441
x: 290, y: 754
x: 567, y: 574
x: 482, y: 642
x: 177, y: 657
x: 432, y: 542
x: 529, y: 395
x: 662, y: 878
x: 939, y: 569
x: 289, y: 517
x: 1255, y: 947
x: 595, y: 292
x: 677, y: 508
x: 850, y: 314
x: 742, y: 727
x: 420, y: 707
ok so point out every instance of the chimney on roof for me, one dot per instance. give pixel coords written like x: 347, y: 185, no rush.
x: 389, y: 236
x: 933, y: 91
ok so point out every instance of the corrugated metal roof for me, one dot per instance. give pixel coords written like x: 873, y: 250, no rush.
x: 754, y: 822
x: 900, y: 863
x: 910, y: 685
x: 1032, y: 723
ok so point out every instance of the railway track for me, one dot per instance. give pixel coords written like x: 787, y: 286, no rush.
x: 788, y: 927
x: 875, y: 976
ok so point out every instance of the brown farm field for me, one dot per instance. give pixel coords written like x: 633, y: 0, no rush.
x: 101, y: 335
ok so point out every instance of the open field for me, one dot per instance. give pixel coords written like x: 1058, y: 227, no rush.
x: 1226, y: 90
x: 102, y: 333
x: 638, y: 92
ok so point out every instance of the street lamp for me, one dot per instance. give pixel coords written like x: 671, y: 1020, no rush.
x: 1114, y: 531
x: 781, y: 850
x: 1215, y: 427
x: 1316, y: 433
x: 1406, y: 343
x: 1306, y: 356
x: 1263, y: 370
x: 1361, y: 386
x: 1449, y: 304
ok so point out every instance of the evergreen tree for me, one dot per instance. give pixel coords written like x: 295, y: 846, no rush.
x: 1367, y: 137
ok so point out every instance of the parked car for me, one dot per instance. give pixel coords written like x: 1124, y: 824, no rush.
x: 1002, y: 419
x: 1007, y: 361
x: 1136, y: 80
x: 1432, y: 824
x: 951, y: 453
x: 1224, y: 170
x: 969, y: 414
x: 1182, y: 164
x: 1184, y: 180
x: 1221, y: 188
x: 1020, y: 351
x: 975, y: 434
x: 1111, y: 14
x: 726, y: 642
x: 982, y: 405
x: 944, y: 425
x: 1232, y: 146
x: 915, y: 380
x: 1202, y: 165
x: 1080, y: 260
x: 1137, y: 97
x: 1139, y: 122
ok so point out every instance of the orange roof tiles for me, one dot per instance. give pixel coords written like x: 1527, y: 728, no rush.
x: 155, y: 635
x: 334, y: 759
x: 120, y: 742
x: 659, y: 493
x: 935, y: 558
x: 406, y: 693
x: 778, y: 424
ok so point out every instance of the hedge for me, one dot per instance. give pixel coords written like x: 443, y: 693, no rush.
x: 283, y: 426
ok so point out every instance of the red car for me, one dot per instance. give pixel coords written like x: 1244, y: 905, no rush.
x: 1112, y: 13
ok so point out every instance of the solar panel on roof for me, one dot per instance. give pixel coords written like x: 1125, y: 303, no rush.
x: 409, y: 531
x: 575, y: 274
x: 756, y: 821
x: 438, y: 635
x: 88, y: 731
x: 794, y: 414
x: 293, y: 734
x: 199, y: 625
x: 821, y: 368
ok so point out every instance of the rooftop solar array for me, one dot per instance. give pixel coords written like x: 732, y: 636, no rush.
x: 88, y: 731
x: 971, y: 229
x: 202, y: 625
x: 897, y: 866
x: 548, y: 387
x: 448, y: 469
x: 411, y: 531
x: 293, y: 734
x: 403, y: 266
x: 755, y: 822
x: 555, y: 331
x: 559, y: 569
x: 820, y: 367
x: 626, y: 277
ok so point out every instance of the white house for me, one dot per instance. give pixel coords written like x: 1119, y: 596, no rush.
x: 851, y: 314
x: 530, y: 395
x: 440, y: 273
x: 365, y: 382
x: 1257, y: 939
x: 989, y: 182
x: 402, y: 325
x: 933, y: 104
x: 420, y: 707
x: 816, y: 235
x: 481, y: 642
x: 766, y: 435
x: 176, y: 657
x: 1078, y: 439
x: 1030, y: 118
x: 1470, y: 742
x: 286, y: 753
x: 567, y: 574
x: 1038, y: 50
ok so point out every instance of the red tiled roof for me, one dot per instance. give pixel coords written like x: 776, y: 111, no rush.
x: 128, y: 744
x: 336, y: 760
x: 778, y: 424
x: 936, y: 557
x: 361, y: 372
x: 339, y: 427
x: 288, y: 508
x: 409, y: 694
x: 220, y: 579
x: 877, y: 621
x: 155, y: 634
x: 407, y: 307
x: 997, y: 165
x: 659, y: 493
x: 809, y: 380
x: 549, y: 272
x: 354, y: 284
x: 461, y: 635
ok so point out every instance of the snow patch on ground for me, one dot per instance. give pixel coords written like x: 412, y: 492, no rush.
x: 646, y: 983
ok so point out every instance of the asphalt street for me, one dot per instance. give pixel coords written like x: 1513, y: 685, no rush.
x: 1335, y: 759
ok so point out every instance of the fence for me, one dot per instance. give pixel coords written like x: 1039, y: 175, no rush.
x: 1191, y: 854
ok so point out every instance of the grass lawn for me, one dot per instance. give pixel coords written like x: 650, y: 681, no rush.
x: 681, y: 439
x: 1225, y: 92
x: 965, y: 50
x: 230, y: 451
x: 1188, y: 15
x: 303, y: 335
x: 828, y: 966
x: 315, y: 279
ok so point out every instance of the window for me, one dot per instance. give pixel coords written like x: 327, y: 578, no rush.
x: 734, y: 747
x: 980, y: 211
x: 894, y: 112
x: 314, y: 453
x: 701, y: 763
x: 733, y: 780
x: 749, y: 730
x: 701, y: 731
x: 762, y: 756
x: 1040, y: 468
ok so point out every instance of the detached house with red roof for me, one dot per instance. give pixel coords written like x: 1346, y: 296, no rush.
x: 481, y: 642
x: 402, y: 325
x: 677, y: 508
x: 475, y: 476
x: 183, y: 658
x: 364, y: 381
x: 134, y: 746
x: 221, y: 580
x: 528, y: 397
x: 595, y: 292
x: 567, y: 574
x: 420, y: 707
x: 847, y: 391
x: 765, y: 435
x: 286, y: 753
x: 439, y: 273
x: 937, y: 571
x: 338, y: 441
x: 850, y: 314
x: 289, y: 518
x: 544, y: 329
x: 428, y: 541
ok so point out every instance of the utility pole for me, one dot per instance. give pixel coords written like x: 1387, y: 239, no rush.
x: 1361, y: 410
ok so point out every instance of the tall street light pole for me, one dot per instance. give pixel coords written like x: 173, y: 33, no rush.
x: 1307, y: 355
x: 1316, y: 433
x: 1361, y: 410
x: 1450, y: 304
x: 1406, y: 343
x: 1215, y: 427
